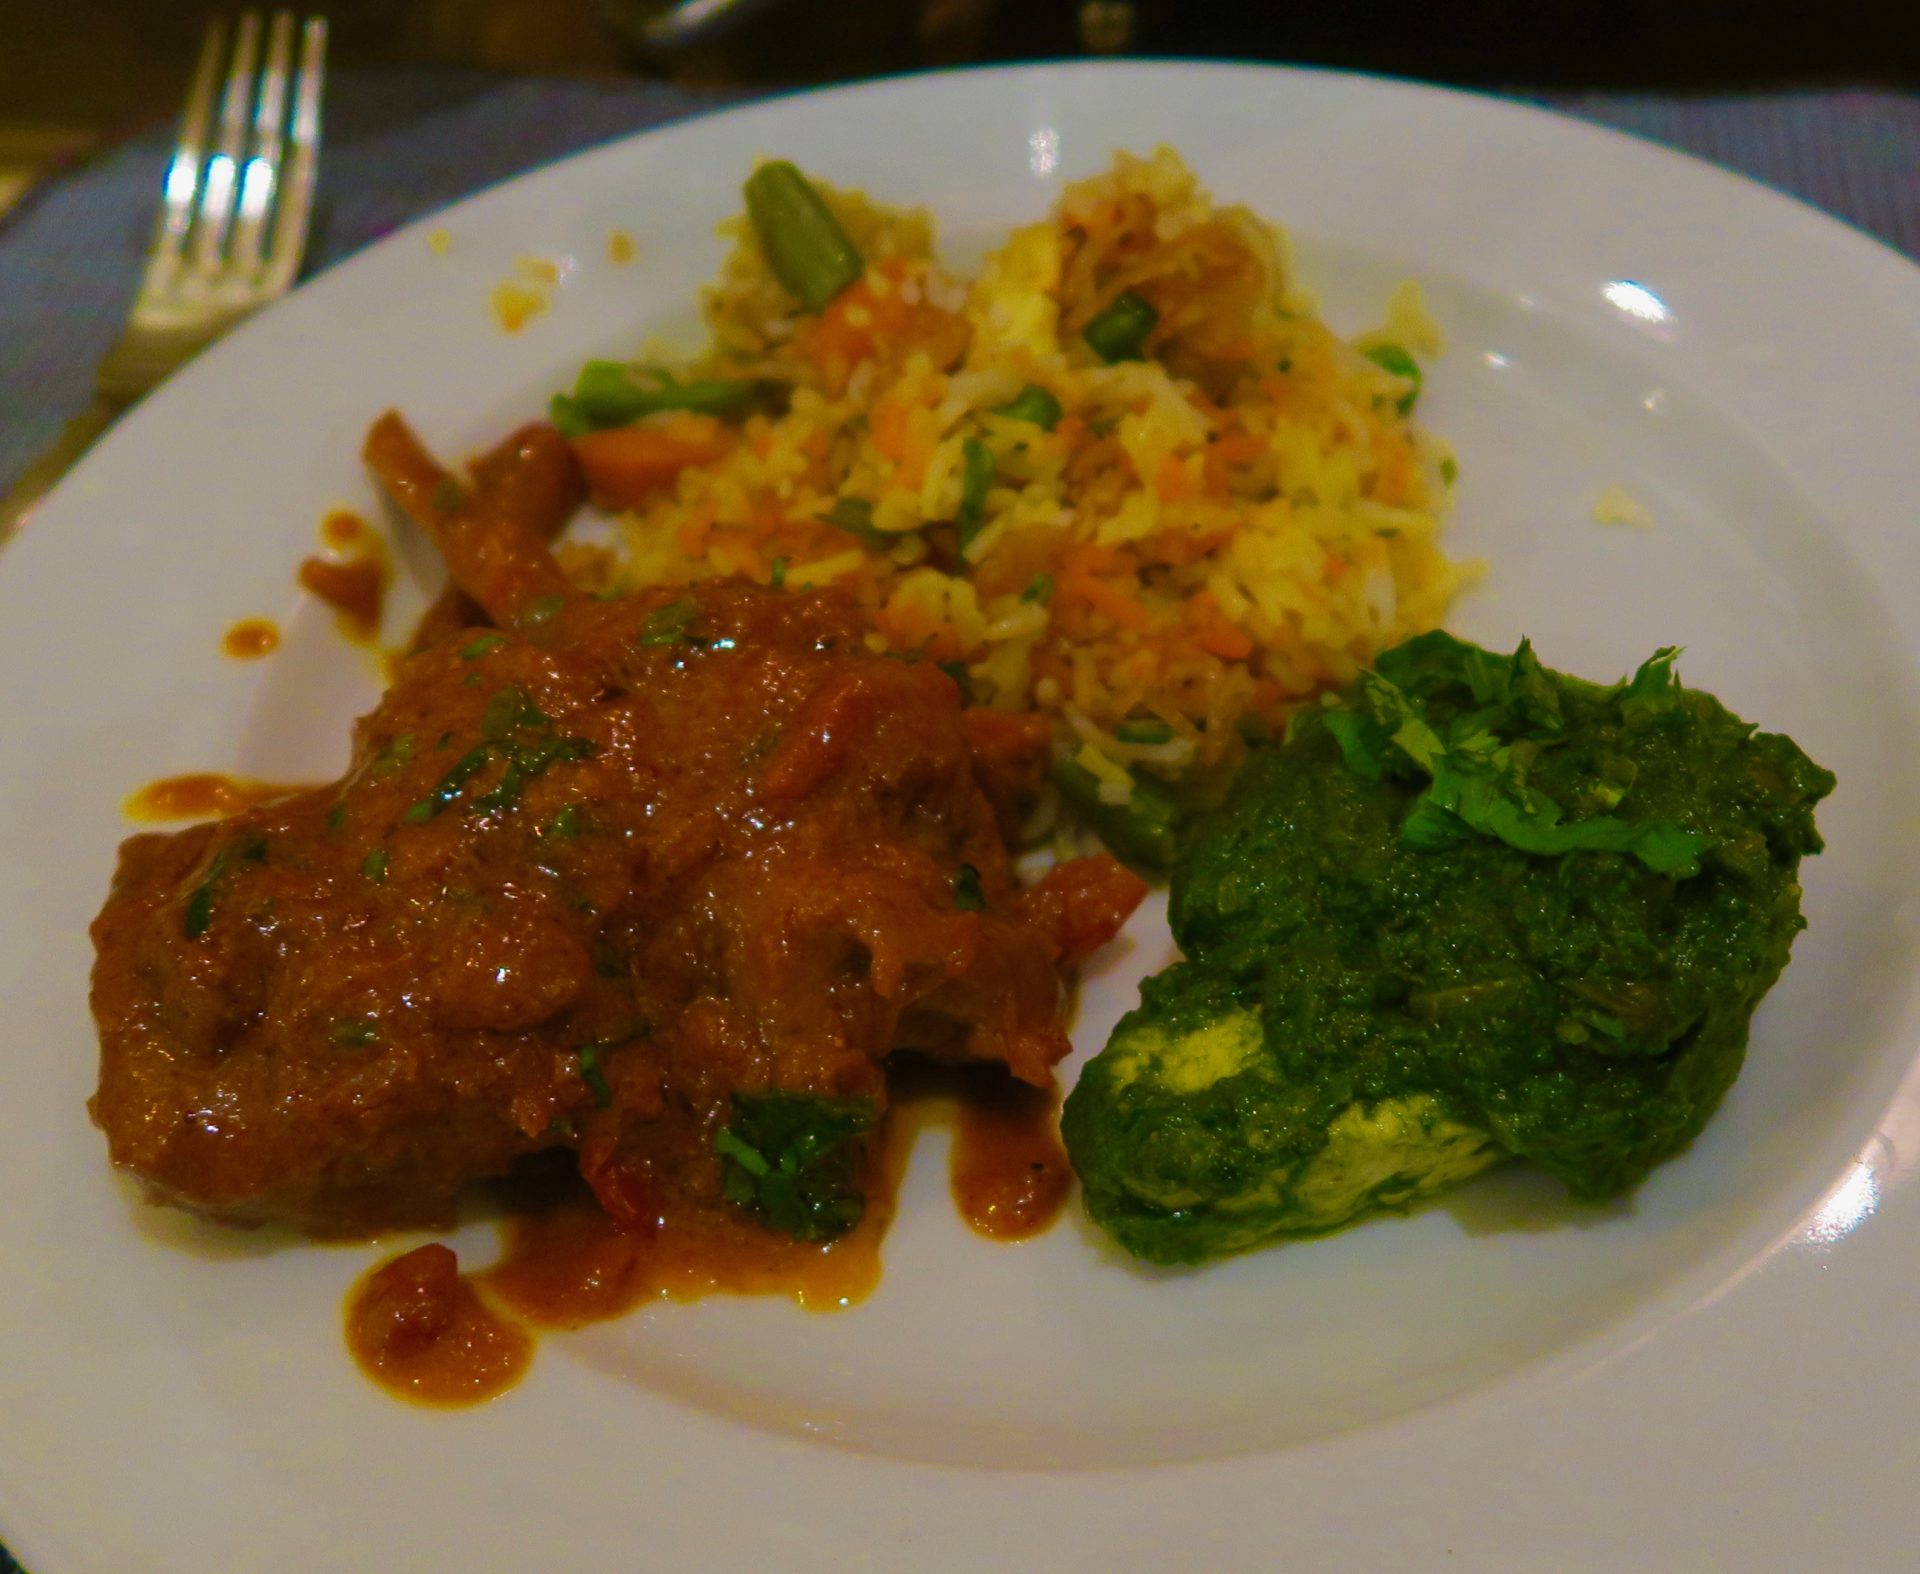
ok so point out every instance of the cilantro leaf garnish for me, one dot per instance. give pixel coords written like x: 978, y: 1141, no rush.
x: 1477, y: 761
x: 669, y: 625
x: 588, y: 1056
x: 517, y: 734
x: 795, y: 1159
x: 199, y: 914
x: 967, y: 894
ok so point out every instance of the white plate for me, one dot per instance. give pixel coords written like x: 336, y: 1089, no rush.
x: 1718, y: 1375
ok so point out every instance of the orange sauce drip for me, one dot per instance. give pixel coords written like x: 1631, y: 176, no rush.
x: 515, y: 305
x: 355, y: 588
x: 250, y: 638
x: 421, y: 1331
x: 354, y: 584
x: 200, y: 795
x: 568, y: 1264
x: 426, y: 1332
x: 1007, y: 1168
x: 343, y: 528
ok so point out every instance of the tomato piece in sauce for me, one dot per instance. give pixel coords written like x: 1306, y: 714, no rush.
x: 1084, y: 902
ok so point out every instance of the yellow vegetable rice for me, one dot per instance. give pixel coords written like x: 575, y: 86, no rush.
x: 1206, y: 535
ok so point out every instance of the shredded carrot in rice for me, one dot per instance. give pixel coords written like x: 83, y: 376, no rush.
x: 1207, y: 536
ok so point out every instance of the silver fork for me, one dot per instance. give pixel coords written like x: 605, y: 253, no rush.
x: 232, y: 226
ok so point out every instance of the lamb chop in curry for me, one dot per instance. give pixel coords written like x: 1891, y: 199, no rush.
x: 660, y: 880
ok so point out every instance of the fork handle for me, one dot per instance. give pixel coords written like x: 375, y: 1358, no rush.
x: 80, y: 434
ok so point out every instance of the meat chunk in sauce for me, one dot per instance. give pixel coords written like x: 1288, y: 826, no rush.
x: 593, y: 872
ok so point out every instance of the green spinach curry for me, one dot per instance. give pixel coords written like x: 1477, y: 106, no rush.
x: 1469, y: 909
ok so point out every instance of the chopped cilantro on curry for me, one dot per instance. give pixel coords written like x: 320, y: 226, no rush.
x: 794, y: 1159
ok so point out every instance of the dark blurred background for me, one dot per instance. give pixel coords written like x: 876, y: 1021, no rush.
x: 72, y: 75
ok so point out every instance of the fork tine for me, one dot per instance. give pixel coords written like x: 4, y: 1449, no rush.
x: 223, y: 169
x: 262, y: 168
x: 189, y: 154
x: 296, y: 188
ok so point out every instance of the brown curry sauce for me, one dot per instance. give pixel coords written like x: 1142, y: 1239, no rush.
x: 251, y: 638
x: 446, y: 1340
x: 354, y: 583
x: 427, y: 1332
x: 430, y: 1334
x: 422, y: 1331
